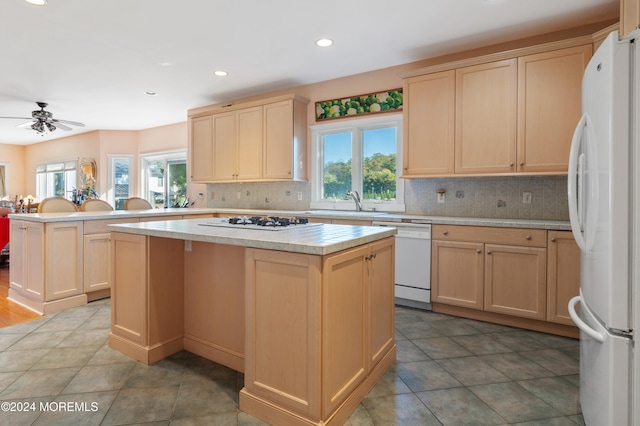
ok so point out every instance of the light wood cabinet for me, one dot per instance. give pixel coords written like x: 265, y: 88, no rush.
x: 457, y: 273
x: 429, y: 124
x: 254, y: 141
x: 518, y: 277
x: 563, y: 275
x: 285, y: 139
x: 237, y: 144
x: 486, y: 105
x: 27, y: 262
x: 549, y: 93
x: 201, y: 146
x: 515, y: 280
x: 514, y: 112
x: 46, y: 273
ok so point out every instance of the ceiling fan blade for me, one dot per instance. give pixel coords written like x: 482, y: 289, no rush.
x: 27, y: 124
x: 73, y: 123
x: 19, y: 118
x: 59, y: 125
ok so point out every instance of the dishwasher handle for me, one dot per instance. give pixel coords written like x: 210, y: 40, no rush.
x: 421, y: 234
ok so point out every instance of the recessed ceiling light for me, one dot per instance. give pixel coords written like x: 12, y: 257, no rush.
x: 221, y: 73
x: 324, y: 42
x: 37, y: 2
x: 150, y: 93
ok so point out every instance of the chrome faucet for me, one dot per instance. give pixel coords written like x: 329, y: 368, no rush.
x: 356, y: 199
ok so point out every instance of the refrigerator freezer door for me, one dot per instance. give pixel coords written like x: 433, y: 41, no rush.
x: 602, y: 187
x: 605, y: 379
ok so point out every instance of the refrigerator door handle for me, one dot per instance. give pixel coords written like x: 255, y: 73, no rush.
x: 572, y: 181
x: 581, y: 324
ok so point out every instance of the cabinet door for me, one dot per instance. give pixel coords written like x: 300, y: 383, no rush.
x: 224, y: 146
x: 429, y: 123
x: 486, y: 102
x: 250, y: 136
x: 27, y: 260
x: 563, y: 275
x: 457, y: 273
x: 515, y: 280
x: 201, y: 154
x: 380, y: 301
x: 63, y: 247
x: 344, y: 334
x: 549, y: 106
x: 97, y: 262
x: 279, y: 143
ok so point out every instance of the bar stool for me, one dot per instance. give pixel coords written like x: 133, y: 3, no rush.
x: 137, y: 203
x: 94, y: 205
x: 56, y: 205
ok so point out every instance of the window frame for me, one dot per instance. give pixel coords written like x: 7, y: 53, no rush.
x: 356, y: 127
x: 75, y: 185
x: 111, y: 191
x: 166, y: 156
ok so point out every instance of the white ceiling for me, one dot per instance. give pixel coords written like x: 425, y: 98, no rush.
x: 92, y: 60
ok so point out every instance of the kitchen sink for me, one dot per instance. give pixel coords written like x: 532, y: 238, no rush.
x: 344, y: 213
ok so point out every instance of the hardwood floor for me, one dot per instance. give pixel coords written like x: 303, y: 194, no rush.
x: 11, y: 313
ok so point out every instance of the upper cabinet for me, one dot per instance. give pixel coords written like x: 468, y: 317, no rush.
x: 261, y: 140
x: 429, y: 123
x: 515, y: 114
x: 549, y: 94
x: 486, y: 101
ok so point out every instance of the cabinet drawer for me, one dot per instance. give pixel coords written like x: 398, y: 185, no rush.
x: 100, y: 226
x: 492, y: 235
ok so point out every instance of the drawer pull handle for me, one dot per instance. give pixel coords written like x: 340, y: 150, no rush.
x: 445, y: 232
x: 488, y: 251
x: 528, y: 237
x: 478, y: 251
x: 553, y: 240
x: 511, y: 164
x: 521, y: 164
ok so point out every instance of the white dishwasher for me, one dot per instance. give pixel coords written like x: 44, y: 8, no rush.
x: 412, y: 264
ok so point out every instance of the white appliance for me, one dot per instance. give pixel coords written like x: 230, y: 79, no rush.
x: 413, y: 264
x: 604, y: 209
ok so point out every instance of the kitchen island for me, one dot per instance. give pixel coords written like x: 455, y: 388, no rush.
x: 305, y: 312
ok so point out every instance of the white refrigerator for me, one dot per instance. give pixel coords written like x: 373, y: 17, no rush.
x: 604, y: 210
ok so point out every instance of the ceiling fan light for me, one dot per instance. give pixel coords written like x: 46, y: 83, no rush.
x: 38, y: 127
x: 50, y: 126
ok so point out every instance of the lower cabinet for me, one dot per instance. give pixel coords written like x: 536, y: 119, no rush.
x: 46, y: 272
x: 321, y: 331
x: 563, y: 275
x: 508, y: 274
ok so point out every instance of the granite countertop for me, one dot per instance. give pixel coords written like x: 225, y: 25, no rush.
x: 100, y: 215
x: 314, y: 238
x: 324, y: 214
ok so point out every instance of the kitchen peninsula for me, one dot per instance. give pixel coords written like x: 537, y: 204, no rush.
x: 305, y: 312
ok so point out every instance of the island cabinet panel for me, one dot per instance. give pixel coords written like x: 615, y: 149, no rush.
x: 486, y: 105
x: 563, y: 275
x: 214, y: 321
x: 97, y: 256
x: 64, y: 260
x: 283, y: 340
x: 429, y: 124
x: 515, y: 280
x: 27, y: 262
x: 344, y: 329
x: 147, y: 311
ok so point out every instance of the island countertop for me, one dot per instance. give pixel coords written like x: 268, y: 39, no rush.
x: 314, y: 238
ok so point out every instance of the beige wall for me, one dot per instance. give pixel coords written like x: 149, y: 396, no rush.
x: 13, y: 157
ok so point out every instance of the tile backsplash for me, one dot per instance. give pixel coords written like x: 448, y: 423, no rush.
x: 490, y: 197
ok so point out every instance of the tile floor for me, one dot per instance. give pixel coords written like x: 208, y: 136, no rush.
x: 449, y: 371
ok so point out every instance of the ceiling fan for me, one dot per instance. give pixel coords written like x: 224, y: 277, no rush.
x: 42, y: 121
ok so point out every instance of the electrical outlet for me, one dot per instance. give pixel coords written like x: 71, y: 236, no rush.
x: 187, y: 245
x: 441, y: 197
x: 212, y: 196
x: 238, y: 195
x: 299, y: 195
x: 526, y: 198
